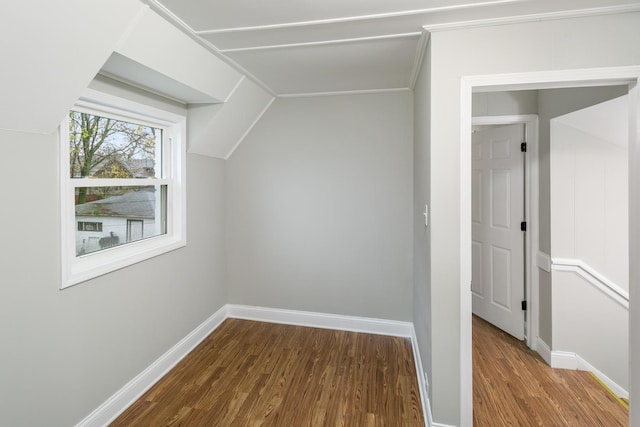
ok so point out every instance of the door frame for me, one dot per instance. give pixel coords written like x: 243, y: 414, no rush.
x: 531, y: 204
x: 629, y: 75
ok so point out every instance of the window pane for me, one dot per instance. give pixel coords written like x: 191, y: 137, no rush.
x: 124, y: 215
x: 100, y: 147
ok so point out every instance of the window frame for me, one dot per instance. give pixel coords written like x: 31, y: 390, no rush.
x: 77, y: 269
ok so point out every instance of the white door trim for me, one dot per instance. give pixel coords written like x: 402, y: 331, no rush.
x: 530, y: 122
x: 536, y: 80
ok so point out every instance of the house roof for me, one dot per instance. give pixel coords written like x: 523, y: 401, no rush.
x: 133, y: 204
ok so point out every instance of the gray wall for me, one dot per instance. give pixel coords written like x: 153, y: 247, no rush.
x: 421, y: 234
x: 504, y: 103
x: 65, y: 352
x: 319, y: 207
x: 526, y: 47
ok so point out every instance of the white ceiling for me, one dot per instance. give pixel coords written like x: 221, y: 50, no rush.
x: 302, y: 46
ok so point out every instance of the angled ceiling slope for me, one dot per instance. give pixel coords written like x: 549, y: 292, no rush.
x: 223, y: 104
x: 293, y: 48
x: 46, y: 67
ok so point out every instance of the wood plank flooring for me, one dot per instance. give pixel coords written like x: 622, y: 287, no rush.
x: 513, y: 386
x: 261, y: 374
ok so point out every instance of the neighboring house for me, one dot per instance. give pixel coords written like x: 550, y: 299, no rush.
x: 115, y: 221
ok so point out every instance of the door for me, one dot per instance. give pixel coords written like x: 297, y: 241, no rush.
x: 135, y: 230
x: 498, y: 269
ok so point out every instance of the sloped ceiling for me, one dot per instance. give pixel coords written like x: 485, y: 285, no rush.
x: 298, y: 47
x: 46, y: 62
x: 228, y: 58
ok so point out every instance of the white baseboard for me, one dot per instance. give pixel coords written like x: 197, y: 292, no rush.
x: 568, y: 360
x: 564, y: 360
x: 423, y: 381
x: 543, y: 350
x: 441, y: 425
x: 131, y: 391
x: 322, y: 320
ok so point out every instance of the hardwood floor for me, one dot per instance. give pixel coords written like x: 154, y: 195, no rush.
x: 513, y: 386
x: 261, y: 374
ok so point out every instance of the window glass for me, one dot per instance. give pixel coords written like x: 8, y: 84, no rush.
x: 102, y: 147
x: 125, y: 215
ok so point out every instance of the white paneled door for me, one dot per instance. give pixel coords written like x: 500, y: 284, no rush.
x: 498, y: 269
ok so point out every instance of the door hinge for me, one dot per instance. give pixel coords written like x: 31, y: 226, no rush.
x: 524, y: 305
x: 523, y: 226
x: 523, y: 147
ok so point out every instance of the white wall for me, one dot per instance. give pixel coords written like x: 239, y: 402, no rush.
x: 319, y: 207
x: 589, y: 199
x: 534, y: 46
x: 592, y: 325
x: 589, y: 224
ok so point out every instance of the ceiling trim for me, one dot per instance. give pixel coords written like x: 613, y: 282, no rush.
x: 343, y: 92
x: 235, y: 88
x: 322, y: 43
x: 350, y: 18
x: 580, y: 13
x: 182, y: 26
x: 417, y: 62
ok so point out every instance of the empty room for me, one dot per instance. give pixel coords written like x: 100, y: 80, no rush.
x: 264, y: 214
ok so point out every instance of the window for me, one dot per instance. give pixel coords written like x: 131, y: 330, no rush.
x: 122, y: 185
x: 89, y: 226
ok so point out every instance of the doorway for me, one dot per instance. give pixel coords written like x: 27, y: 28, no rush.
x: 538, y: 80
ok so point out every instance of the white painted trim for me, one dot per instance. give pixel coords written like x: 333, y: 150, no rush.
x: 131, y: 391
x: 417, y: 61
x: 78, y: 269
x: 613, y: 386
x: 348, y: 18
x: 634, y: 250
x: 322, y: 42
x: 249, y: 129
x: 564, y: 360
x: 593, y: 277
x: 496, y: 82
x: 344, y: 92
x: 187, y: 30
x: 466, y: 351
x: 423, y: 381
x: 235, y: 88
x: 321, y: 320
x: 573, y: 361
x: 441, y: 425
x: 543, y: 349
x: 543, y: 261
x: 581, y: 77
x: 565, y: 14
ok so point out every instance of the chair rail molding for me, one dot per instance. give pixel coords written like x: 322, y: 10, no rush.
x: 592, y: 276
